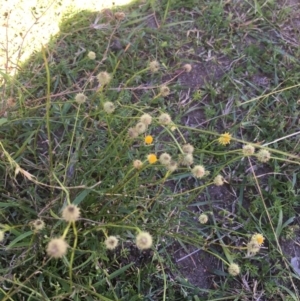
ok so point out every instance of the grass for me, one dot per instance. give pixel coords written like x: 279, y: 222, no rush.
x: 58, y: 151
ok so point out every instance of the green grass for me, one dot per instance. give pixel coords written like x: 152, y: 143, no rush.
x: 55, y: 151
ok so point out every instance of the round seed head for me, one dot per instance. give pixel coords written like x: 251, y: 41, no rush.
x: 203, y: 218
x: 263, y: 155
x: 187, y: 68
x: 137, y: 164
x: 103, y: 78
x: 120, y: 16
x: 248, y: 150
x: 143, y: 240
x: 57, y: 247
x: 188, y: 148
x: 234, y: 269
x: 218, y: 180
x: 91, y: 55
x: 146, y: 119
x: 133, y: 133
x: 165, y: 159
x: 164, y: 90
x: 141, y: 127
x: 2, y: 235
x: 80, y: 98
x: 38, y: 225
x: 71, y: 213
x: 154, y: 66
x: 108, y: 107
x: 198, y: 171
x: 111, y: 242
x: 172, y: 166
x: 164, y: 118
x: 187, y: 160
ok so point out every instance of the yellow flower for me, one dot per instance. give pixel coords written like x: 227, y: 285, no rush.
x: 152, y: 158
x: 57, y: 247
x: 143, y: 240
x: 224, y: 139
x: 71, y: 213
x: 148, y: 139
x: 258, y: 238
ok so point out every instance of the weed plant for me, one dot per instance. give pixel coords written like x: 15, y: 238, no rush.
x: 134, y: 169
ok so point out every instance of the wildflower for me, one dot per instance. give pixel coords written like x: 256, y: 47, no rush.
x: 263, y: 155
x: 188, y: 159
x: 133, y: 133
x: 111, y: 242
x: 187, y: 67
x: 165, y: 159
x: 146, y: 119
x: 91, y: 55
x: 38, y: 225
x: 57, y: 247
x: 188, y: 148
x: 137, y: 164
x: 224, y: 139
x: 164, y: 118
x: 172, y: 166
x: 154, y: 66
x: 198, y: 171
x: 80, y: 98
x: 148, y: 139
x: 103, y: 78
x: 203, y: 218
x: 141, y: 127
x: 108, y: 107
x: 152, y: 158
x: 233, y: 269
x: 1, y: 235
x: 120, y: 16
x: 248, y: 150
x: 164, y: 91
x: 218, y: 180
x: 258, y: 238
x: 143, y: 240
x: 71, y: 213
